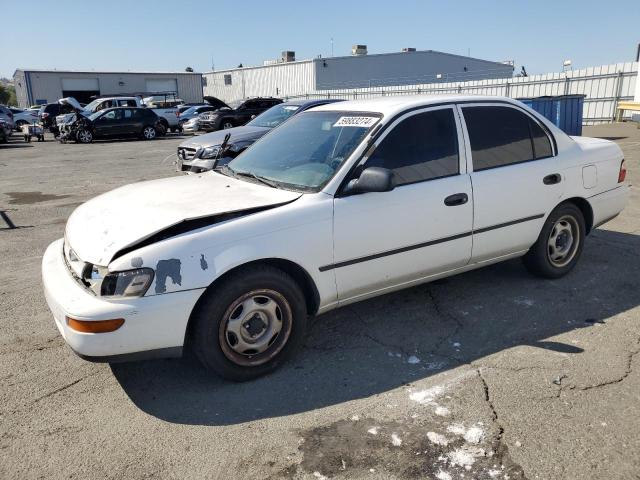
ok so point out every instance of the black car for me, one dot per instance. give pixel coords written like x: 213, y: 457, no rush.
x: 117, y: 122
x: 238, y: 113
x: 48, y: 113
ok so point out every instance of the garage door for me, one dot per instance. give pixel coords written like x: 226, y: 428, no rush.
x: 80, y: 84
x: 166, y: 85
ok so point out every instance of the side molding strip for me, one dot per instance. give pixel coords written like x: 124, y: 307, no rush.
x: 408, y: 248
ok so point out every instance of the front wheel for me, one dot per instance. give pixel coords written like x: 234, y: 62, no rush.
x: 559, y: 245
x: 148, y: 133
x: 84, y: 136
x: 227, y: 124
x: 248, y: 325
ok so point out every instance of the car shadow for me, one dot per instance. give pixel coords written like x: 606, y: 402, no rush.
x: 365, y: 349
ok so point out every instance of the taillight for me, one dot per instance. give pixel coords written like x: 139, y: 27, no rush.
x: 623, y: 172
x: 45, y: 115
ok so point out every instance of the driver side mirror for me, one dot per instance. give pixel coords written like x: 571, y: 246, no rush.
x: 372, y: 179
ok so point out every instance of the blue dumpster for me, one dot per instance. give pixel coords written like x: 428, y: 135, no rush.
x: 565, y: 111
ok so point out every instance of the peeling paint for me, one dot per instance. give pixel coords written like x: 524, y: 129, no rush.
x: 136, y: 262
x: 203, y: 262
x: 167, y: 269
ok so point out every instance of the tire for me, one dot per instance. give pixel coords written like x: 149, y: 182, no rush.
x: 84, y: 136
x: 226, y: 124
x: 149, y: 132
x: 560, y: 243
x: 164, y: 124
x: 263, y: 295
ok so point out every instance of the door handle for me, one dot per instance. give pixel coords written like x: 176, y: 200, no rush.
x: 456, y: 199
x: 552, y: 179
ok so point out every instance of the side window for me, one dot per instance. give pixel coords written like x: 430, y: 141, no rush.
x: 227, y: 79
x: 502, y: 136
x: 541, y: 144
x: 127, y: 114
x: 421, y: 147
x: 109, y: 116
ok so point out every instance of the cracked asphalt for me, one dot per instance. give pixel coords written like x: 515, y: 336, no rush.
x: 492, y: 374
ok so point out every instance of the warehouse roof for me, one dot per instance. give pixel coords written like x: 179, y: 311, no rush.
x: 116, y: 72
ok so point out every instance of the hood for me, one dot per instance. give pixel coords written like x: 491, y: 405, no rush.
x: 215, y: 102
x: 101, y: 227
x: 71, y: 102
x: 238, y: 134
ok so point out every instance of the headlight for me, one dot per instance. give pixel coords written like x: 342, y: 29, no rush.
x: 236, y: 147
x: 210, y: 152
x: 130, y: 283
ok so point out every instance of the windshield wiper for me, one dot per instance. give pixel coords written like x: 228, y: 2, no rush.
x: 226, y: 170
x: 264, y: 180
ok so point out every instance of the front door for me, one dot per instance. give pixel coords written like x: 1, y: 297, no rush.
x: 420, y: 228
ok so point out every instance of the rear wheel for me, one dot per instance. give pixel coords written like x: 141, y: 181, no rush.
x: 248, y: 325
x: 148, y: 132
x: 560, y: 243
x: 84, y: 136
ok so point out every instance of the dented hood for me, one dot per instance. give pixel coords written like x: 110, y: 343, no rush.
x: 101, y: 227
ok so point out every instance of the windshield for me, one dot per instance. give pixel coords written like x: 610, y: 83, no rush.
x: 306, y: 151
x: 235, y: 104
x: 95, y: 115
x: 274, y: 116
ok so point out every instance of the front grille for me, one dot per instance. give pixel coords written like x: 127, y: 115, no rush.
x: 187, y: 153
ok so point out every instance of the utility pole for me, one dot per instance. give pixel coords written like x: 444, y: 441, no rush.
x: 332, y: 46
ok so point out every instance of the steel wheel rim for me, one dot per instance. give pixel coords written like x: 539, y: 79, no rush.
x: 255, y: 327
x: 563, y: 241
x: 149, y: 133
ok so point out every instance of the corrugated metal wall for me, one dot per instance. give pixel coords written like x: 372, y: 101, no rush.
x: 48, y: 85
x: 603, y: 86
x: 272, y: 81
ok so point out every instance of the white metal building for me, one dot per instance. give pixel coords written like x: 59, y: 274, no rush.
x: 46, y: 86
x: 287, y: 78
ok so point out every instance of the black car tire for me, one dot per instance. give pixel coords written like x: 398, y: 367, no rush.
x: 274, y: 302
x: 559, y: 245
x: 149, y: 132
x: 84, y: 136
x: 226, y: 123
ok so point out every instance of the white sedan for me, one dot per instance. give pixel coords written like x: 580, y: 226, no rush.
x: 343, y: 202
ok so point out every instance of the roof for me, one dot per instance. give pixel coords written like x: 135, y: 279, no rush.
x: 392, y: 105
x: 94, y: 72
x: 354, y: 57
x: 314, y: 101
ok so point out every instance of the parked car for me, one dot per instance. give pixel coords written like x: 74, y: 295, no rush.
x: 23, y: 117
x: 49, y: 112
x: 204, y: 152
x: 238, y: 113
x: 118, y: 122
x: 340, y: 203
x: 191, y: 126
x: 5, y: 129
x: 6, y: 115
x: 194, y: 111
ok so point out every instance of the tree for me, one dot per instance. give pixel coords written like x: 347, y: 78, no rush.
x: 8, y: 95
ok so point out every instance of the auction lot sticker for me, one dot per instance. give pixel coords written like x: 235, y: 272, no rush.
x: 363, y: 122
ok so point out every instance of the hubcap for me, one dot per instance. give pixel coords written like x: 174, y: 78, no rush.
x: 563, y: 241
x: 149, y: 132
x: 85, y: 136
x: 255, y: 328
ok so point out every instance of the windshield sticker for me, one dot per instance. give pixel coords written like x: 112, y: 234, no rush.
x: 362, y: 122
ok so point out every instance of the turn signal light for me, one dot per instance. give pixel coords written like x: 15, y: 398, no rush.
x: 623, y: 173
x: 95, y: 326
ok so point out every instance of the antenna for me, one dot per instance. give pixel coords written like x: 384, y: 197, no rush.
x: 213, y: 67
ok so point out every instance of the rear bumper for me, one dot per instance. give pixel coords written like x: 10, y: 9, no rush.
x: 152, y: 323
x: 607, y: 205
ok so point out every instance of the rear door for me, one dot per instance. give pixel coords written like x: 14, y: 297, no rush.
x: 515, y: 177
x: 108, y: 125
x: 128, y: 124
x: 420, y: 228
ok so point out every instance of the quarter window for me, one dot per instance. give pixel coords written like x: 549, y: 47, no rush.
x: 421, y: 147
x: 502, y: 136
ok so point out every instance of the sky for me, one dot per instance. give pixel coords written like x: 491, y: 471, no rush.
x: 162, y: 35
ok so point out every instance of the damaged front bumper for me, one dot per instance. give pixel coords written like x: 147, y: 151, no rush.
x: 154, y: 325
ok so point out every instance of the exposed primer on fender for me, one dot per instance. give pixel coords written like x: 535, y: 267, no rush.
x: 167, y: 269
